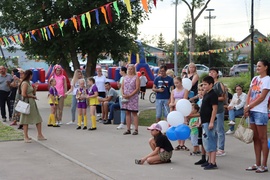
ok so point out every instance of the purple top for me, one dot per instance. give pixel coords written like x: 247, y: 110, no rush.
x: 92, y: 90
x: 53, y: 91
x: 179, y: 94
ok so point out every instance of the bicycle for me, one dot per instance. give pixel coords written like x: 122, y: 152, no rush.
x: 152, y: 97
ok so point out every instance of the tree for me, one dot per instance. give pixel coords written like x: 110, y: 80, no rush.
x: 262, y: 51
x: 116, y: 38
x: 161, y: 42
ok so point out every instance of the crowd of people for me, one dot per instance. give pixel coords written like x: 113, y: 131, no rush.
x: 210, y: 100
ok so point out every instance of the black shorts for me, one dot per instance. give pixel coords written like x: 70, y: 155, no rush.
x: 143, y: 89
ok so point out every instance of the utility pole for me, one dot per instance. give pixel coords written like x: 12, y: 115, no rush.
x: 252, y: 40
x: 209, y: 43
x: 175, y: 40
x: 187, y: 29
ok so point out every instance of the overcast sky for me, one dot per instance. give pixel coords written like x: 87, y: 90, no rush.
x: 233, y: 19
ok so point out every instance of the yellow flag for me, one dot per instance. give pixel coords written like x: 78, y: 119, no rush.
x: 127, y: 2
x: 88, y: 16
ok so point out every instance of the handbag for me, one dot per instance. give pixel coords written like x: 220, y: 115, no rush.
x: 23, y: 107
x: 243, y: 133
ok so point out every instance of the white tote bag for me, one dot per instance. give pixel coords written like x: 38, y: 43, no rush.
x: 23, y: 107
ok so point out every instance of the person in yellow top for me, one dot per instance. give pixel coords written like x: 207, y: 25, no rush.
x: 53, y: 101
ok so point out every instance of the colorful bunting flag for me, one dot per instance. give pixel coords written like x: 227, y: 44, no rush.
x: 104, y: 14
x: 127, y: 2
x: 97, y: 16
x: 88, y: 16
x: 116, y: 8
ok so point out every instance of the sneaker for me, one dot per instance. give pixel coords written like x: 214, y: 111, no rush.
x: 79, y: 127
x: 210, y: 166
x: 101, y: 121
x: 60, y: 123
x: 200, y: 162
x: 71, y: 122
x: 98, y: 114
x: 85, y: 127
x: 4, y: 119
x: 231, y: 123
x: 229, y: 132
x: 121, y: 126
x: 205, y: 164
x: 220, y: 153
x: 131, y: 126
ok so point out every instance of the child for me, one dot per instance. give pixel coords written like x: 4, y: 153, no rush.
x: 81, y: 96
x: 93, y: 101
x: 178, y: 93
x: 53, y: 101
x: 208, y: 119
x: 143, y: 82
x: 161, y: 146
x: 193, y: 124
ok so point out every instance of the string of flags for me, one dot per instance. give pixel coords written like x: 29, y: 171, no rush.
x: 79, y: 21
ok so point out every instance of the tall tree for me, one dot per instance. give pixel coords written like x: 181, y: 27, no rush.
x: 116, y: 37
x: 161, y: 42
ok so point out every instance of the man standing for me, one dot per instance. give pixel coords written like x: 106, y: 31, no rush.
x: 5, y: 80
x: 162, y: 86
x: 220, y: 91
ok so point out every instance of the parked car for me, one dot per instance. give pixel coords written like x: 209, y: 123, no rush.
x: 201, y: 69
x: 240, y: 68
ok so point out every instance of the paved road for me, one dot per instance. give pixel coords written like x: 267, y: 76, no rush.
x: 107, y: 154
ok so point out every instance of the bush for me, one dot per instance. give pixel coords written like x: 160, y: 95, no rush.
x: 243, y: 80
x: 203, y: 76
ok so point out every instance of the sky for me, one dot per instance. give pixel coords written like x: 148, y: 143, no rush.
x: 233, y: 19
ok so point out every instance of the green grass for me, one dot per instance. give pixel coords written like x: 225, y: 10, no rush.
x: 8, y: 133
x: 68, y: 100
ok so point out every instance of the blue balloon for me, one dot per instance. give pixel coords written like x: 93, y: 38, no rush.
x: 182, y: 132
x: 191, y: 94
x: 269, y: 143
x: 170, y: 133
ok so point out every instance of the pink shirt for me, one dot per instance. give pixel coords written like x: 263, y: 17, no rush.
x: 60, y: 81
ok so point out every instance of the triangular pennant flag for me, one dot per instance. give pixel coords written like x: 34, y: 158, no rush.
x: 74, y: 23
x: 32, y: 36
x: 48, y: 32
x: 51, y: 29
x: 109, y: 11
x: 12, y: 39
x: 83, y: 20
x: 27, y: 36
x: 66, y: 21
x: 97, y: 16
x: 145, y: 5
x: 116, y: 8
x: 1, y: 41
x: 17, y: 39
x: 45, y: 34
x: 127, y: 2
x: 61, y: 24
x: 155, y: 3
x: 88, y: 16
x: 79, y: 22
x: 39, y: 34
x: 21, y: 38
x: 104, y: 13
x: 42, y: 33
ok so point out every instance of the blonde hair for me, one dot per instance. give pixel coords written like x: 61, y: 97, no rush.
x: 75, y: 76
x: 133, y: 68
x: 170, y: 73
x: 192, y: 64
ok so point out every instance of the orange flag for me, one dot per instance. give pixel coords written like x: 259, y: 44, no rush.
x: 1, y: 41
x: 21, y: 38
x: 104, y: 13
x: 51, y: 29
x: 75, y: 23
x: 145, y: 5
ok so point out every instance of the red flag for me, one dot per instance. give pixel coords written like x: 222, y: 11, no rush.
x: 109, y: 11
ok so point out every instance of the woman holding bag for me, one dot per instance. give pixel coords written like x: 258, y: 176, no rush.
x: 29, y: 95
x: 257, y: 110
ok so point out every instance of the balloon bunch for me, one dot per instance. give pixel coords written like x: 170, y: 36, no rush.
x: 174, y: 127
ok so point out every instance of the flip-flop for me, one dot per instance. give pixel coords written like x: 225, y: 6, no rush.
x: 252, y: 168
x: 138, y: 161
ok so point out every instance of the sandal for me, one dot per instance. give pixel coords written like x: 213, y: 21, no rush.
x: 261, y: 169
x: 252, y: 168
x: 127, y: 132
x: 135, y: 132
x: 179, y: 147
x: 138, y: 161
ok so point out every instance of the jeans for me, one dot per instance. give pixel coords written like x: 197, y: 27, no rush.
x: 73, y: 107
x: 233, y: 113
x: 123, y: 113
x: 112, y: 107
x: 220, y: 131
x: 162, y: 104
x: 209, y: 137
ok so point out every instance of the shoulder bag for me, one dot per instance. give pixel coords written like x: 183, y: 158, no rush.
x: 23, y: 107
x: 243, y: 133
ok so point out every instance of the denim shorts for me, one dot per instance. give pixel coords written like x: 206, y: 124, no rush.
x: 258, y: 118
x: 194, y: 139
x: 162, y: 105
x: 209, y: 137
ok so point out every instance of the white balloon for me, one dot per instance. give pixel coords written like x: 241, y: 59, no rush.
x: 184, y: 106
x: 175, y: 118
x: 164, y: 124
x: 187, y: 84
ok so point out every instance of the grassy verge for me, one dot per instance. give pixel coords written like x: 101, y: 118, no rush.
x: 68, y: 100
x: 9, y: 134
x: 148, y: 117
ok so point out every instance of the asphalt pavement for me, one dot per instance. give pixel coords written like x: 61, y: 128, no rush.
x: 108, y: 154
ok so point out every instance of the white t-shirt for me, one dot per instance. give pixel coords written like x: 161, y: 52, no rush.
x: 257, y: 85
x: 100, y: 83
x: 143, y: 81
x: 75, y: 87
